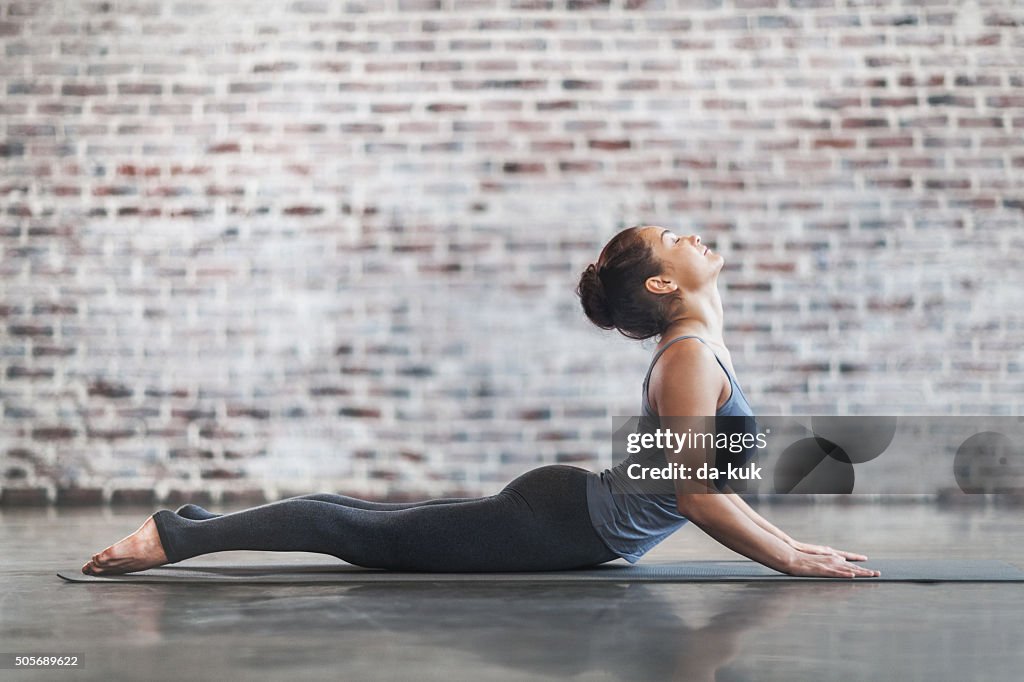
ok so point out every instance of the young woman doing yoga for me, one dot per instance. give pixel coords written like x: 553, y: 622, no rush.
x: 648, y: 282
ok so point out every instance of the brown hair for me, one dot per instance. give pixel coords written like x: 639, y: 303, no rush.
x: 612, y: 290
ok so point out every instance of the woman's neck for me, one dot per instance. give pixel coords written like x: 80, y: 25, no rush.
x: 703, y: 317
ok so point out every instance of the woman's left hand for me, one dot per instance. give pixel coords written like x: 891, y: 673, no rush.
x: 808, y: 548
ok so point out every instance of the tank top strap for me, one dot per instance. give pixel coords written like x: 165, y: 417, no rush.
x: 664, y: 348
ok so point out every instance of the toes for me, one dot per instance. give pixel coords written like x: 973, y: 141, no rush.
x: 107, y: 558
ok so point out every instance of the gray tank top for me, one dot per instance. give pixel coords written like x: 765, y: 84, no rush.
x: 631, y: 522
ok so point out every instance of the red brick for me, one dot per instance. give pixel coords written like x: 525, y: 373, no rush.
x: 79, y: 497
x: 24, y: 497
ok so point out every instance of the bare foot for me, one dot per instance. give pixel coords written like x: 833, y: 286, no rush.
x: 137, y: 552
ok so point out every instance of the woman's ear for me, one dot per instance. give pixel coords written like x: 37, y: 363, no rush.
x: 660, y: 285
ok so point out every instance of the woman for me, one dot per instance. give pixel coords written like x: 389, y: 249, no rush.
x: 647, y: 282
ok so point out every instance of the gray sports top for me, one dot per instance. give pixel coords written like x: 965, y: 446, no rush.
x: 632, y: 522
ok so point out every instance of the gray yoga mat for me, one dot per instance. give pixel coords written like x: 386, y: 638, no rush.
x: 893, y: 570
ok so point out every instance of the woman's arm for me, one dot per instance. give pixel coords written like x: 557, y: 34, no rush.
x: 777, y: 532
x: 719, y: 517
x: 714, y: 514
x: 695, y: 392
x: 742, y: 505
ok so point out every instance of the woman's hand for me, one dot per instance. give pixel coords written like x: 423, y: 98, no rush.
x: 807, y: 548
x: 826, y: 566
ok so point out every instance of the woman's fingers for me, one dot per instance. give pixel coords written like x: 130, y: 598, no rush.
x: 824, y: 561
x: 867, y: 572
x: 835, y: 566
x: 833, y: 569
x: 824, y: 549
x: 853, y: 571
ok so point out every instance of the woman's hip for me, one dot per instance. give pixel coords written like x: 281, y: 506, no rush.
x: 553, y: 485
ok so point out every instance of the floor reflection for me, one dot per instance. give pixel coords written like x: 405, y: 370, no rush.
x: 628, y: 632
x: 495, y: 633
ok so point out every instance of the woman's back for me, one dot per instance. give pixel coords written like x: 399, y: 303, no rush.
x: 633, y: 516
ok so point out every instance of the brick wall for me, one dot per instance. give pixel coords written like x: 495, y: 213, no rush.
x: 268, y: 248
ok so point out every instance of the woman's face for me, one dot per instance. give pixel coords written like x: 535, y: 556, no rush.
x: 686, y: 261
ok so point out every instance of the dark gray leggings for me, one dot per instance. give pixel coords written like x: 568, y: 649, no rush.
x: 538, y: 522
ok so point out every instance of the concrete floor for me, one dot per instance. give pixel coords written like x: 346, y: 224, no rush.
x: 832, y: 631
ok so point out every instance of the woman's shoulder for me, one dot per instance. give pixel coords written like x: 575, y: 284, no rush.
x: 687, y: 368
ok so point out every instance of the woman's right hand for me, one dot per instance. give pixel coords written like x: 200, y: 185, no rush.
x: 826, y: 566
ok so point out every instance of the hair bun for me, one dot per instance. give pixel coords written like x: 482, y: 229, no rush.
x: 592, y: 296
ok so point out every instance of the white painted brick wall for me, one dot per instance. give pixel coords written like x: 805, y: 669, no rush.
x: 257, y: 249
